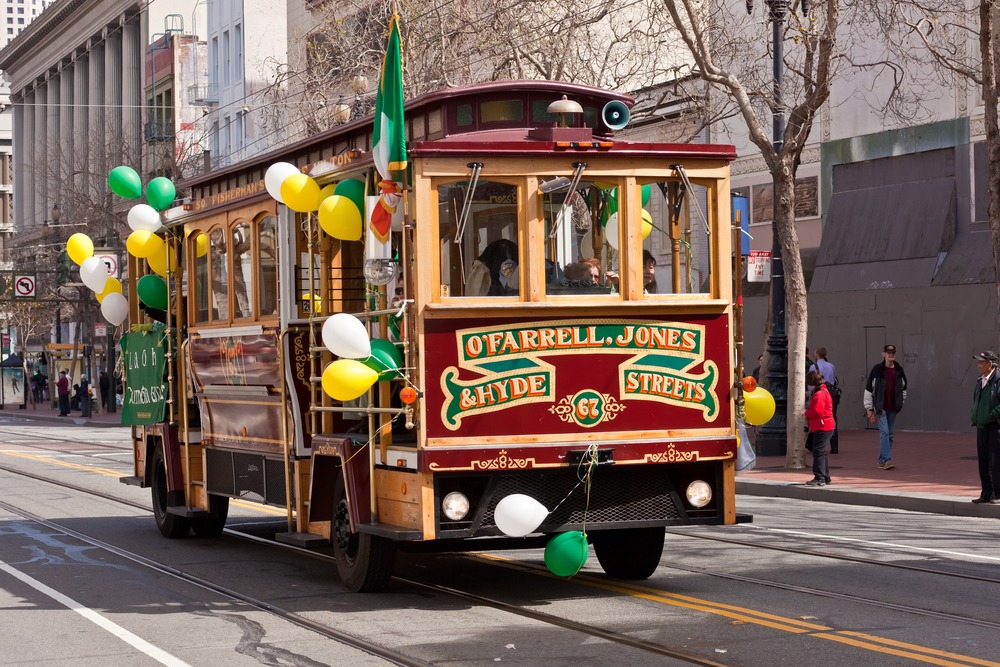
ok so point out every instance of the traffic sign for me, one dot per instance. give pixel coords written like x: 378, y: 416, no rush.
x: 24, y: 286
x: 110, y: 261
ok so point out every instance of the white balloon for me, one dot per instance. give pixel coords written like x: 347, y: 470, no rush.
x: 144, y: 217
x: 114, y: 308
x: 611, y: 231
x: 275, y: 176
x: 587, y: 245
x: 94, y: 274
x: 346, y: 337
x: 518, y: 515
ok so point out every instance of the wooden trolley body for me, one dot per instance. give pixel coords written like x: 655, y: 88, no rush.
x: 602, y: 401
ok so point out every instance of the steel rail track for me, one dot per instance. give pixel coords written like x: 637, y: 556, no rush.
x: 332, y: 633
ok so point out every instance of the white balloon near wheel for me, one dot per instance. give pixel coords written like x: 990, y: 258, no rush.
x: 518, y: 515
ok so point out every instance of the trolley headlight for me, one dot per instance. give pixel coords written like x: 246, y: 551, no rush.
x: 699, y: 493
x: 455, y: 506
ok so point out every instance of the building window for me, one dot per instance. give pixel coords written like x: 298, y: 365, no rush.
x: 238, y: 53
x: 225, y: 58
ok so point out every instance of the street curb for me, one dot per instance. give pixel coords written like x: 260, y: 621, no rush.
x: 66, y: 421
x: 842, y: 495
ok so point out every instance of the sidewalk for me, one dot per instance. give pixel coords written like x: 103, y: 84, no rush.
x: 935, y: 472
x: 42, y: 412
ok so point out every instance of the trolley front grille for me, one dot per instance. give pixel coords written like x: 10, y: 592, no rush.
x: 247, y: 476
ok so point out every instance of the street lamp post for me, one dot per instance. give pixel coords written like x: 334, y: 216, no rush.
x: 772, y: 437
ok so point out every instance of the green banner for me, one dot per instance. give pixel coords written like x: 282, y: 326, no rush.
x: 145, y: 397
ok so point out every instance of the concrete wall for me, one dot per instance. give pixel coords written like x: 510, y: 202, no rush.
x: 936, y: 331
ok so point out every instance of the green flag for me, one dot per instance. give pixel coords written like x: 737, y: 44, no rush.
x: 389, y: 135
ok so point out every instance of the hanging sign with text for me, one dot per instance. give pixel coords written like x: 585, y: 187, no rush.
x: 144, y: 354
x: 759, y: 266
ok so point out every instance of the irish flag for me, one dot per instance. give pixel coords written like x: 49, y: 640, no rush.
x: 389, y: 135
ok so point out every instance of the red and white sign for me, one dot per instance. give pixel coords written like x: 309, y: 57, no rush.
x: 24, y: 285
x: 759, y: 266
x: 110, y: 261
x: 100, y: 329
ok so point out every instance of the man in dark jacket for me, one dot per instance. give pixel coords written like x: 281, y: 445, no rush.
x: 986, y: 419
x: 885, y: 392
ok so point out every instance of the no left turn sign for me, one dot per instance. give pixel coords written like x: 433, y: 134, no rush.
x: 24, y: 285
x: 110, y: 261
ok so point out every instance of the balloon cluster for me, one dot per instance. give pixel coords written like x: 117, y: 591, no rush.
x: 362, y: 362
x: 341, y: 206
x: 94, y: 274
x: 144, y: 220
x: 518, y: 515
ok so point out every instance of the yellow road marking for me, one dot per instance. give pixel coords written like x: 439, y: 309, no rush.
x: 793, y: 625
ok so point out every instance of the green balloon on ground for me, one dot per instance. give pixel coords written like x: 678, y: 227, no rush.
x: 160, y: 193
x: 566, y: 553
x: 152, y: 291
x: 125, y: 182
x: 385, y: 359
x: 354, y: 190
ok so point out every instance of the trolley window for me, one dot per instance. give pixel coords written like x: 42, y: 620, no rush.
x: 242, y: 271
x: 676, y: 240
x: 267, y: 254
x: 199, y: 287
x: 478, y: 239
x: 219, y: 283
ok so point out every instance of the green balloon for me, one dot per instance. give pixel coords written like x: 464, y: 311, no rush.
x: 566, y: 553
x: 647, y: 191
x: 152, y: 291
x: 610, y: 207
x: 160, y: 193
x: 354, y: 190
x: 385, y: 359
x: 125, y: 182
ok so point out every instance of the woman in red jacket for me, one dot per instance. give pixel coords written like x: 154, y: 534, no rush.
x: 821, y: 426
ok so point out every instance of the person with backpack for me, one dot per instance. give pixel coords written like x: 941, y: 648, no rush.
x: 829, y: 372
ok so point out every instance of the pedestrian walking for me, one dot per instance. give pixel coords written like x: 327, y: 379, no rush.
x: 986, y: 419
x: 819, y: 413
x: 62, y: 387
x: 885, y: 392
x: 104, y: 384
x: 829, y: 371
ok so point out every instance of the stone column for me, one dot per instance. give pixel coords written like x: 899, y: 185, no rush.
x: 21, y: 148
x: 113, y: 95
x: 83, y: 146
x: 67, y: 141
x: 95, y: 121
x: 41, y: 167
x: 132, y: 98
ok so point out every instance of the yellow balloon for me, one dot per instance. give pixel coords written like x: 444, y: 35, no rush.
x: 113, y: 286
x: 300, y: 193
x: 136, y: 242
x: 80, y: 247
x: 647, y: 223
x: 317, y: 302
x: 201, y: 245
x: 340, y: 218
x: 347, y: 379
x: 326, y: 191
x: 758, y: 406
x: 158, y: 261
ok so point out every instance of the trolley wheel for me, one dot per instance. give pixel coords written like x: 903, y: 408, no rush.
x: 631, y: 553
x: 170, y: 525
x: 364, y: 562
x: 213, y: 524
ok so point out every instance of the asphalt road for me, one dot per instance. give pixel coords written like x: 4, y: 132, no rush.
x: 860, y: 594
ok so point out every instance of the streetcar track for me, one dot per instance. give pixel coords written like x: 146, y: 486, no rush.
x: 506, y: 607
x: 836, y: 556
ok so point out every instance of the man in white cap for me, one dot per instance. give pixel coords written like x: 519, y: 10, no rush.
x: 986, y: 419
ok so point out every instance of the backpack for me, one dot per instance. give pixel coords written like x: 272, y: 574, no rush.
x: 835, y: 391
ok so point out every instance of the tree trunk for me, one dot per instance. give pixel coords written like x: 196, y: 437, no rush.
x: 988, y: 51
x: 796, y: 311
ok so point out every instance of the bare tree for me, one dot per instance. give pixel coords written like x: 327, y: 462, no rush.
x: 720, y: 40
x: 604, y: 43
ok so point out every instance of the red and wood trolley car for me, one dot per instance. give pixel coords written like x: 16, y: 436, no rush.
x: 563, y: 304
